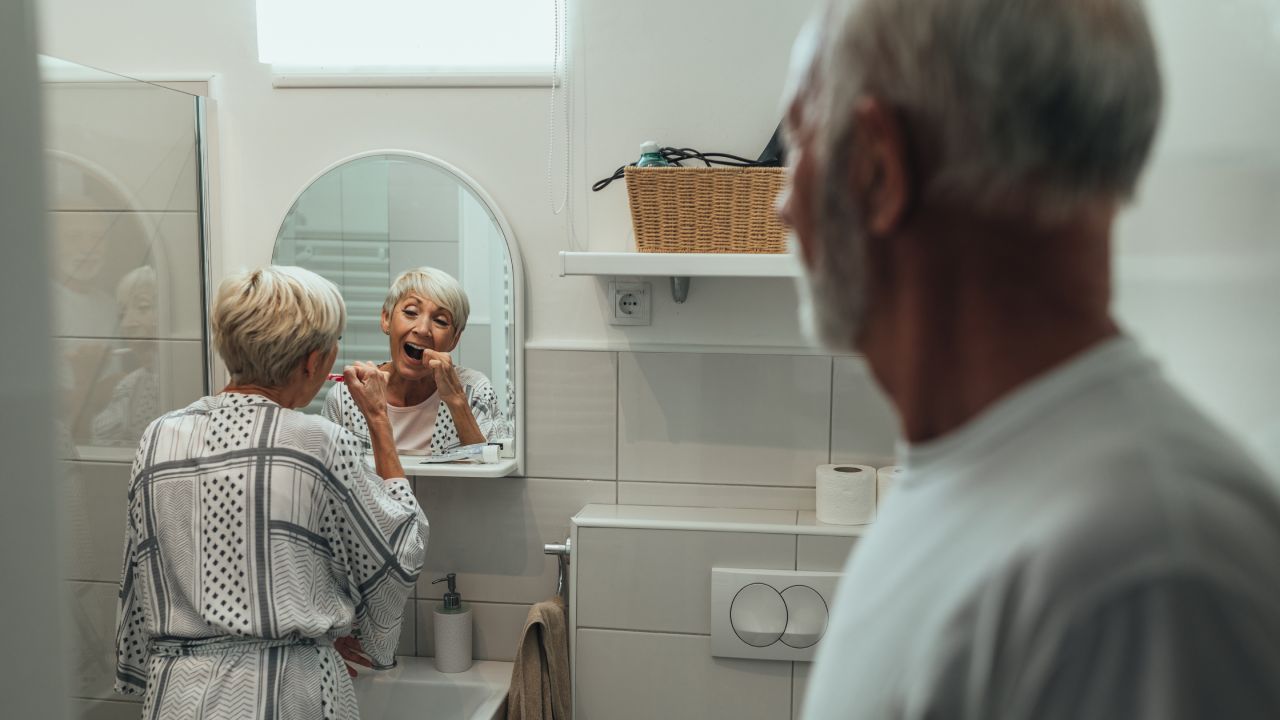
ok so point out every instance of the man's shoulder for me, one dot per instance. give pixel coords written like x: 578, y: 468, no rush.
x: 1157, y: 492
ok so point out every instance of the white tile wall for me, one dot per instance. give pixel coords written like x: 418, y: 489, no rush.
x: 491, y: 532
x: 494, y: 635
x: 719, y: 496
x: 364, y: 201
x: 571, y: 414
x: 95, y: 377
x: 96, y: 501
x: 799, y: 686
x: 319, y: 207
x: 93, y: 252
x: 439, y: 255
x: 1195, y: 272
x: 863, y: 423
x: 143, y: 136
x: 423, y: 203
x: 409, y: 629
x: 83, y: 709
x: 475, y: 350
x: 92, y: 628
x: 661, y: 580
x: 745, y: 419
x: 822, y: 552
x: 626, y: 675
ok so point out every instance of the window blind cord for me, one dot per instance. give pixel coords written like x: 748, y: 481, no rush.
x: 556, y: 71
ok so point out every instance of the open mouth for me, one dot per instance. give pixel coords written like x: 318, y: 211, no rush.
x: 413, y: 351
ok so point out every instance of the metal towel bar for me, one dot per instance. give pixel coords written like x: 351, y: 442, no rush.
x: 562, y: 552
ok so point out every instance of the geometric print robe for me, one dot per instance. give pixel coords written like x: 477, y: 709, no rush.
x: 341, y: 408
x: 256, y: 536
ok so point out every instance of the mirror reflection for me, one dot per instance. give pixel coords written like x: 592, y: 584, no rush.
x: 126, y: 310
x: 424, y: 268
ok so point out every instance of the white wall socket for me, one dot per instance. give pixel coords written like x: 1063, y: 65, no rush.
x: 630, y: 303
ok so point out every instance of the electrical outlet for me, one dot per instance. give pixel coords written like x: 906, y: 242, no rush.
x: 630, y: 303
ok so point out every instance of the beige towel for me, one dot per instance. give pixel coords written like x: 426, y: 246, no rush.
x: 540, y: 682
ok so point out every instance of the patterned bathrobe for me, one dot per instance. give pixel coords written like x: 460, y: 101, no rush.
x: 256, y: 535
x: 341, y: 408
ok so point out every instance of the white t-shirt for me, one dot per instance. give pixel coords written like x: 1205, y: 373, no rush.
x: 413, y: 426
x: 1089, y: 547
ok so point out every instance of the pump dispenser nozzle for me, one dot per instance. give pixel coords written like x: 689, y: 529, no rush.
x: 452, y: 599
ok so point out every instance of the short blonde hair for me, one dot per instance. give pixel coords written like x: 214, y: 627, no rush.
x: 266, y: 321
x: 435, y: 285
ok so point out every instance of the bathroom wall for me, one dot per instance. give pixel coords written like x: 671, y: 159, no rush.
x: 613, y: 415
x: 1198, y: 250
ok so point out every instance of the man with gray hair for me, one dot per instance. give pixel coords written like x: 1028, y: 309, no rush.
x: 1072, y: 538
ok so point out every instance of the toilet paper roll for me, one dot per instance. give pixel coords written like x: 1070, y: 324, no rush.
x: 886, y: 478
x: 846, y: 494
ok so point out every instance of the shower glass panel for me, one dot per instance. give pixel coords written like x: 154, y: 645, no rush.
x: 127, y: 254
x: 126, y: 245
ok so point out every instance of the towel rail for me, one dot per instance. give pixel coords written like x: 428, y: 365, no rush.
x: 562, y: 552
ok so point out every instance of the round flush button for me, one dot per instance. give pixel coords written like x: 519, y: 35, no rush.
x: 806, y: 616
x: 758, y: 615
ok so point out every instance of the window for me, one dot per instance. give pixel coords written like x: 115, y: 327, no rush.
x: 409, y: 36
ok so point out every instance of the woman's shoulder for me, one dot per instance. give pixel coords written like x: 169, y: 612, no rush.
x: 338, y: 392
x: 471, y: 376
x: 341, y: 408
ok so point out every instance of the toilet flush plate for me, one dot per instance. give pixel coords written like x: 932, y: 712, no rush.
x: 769, y: 614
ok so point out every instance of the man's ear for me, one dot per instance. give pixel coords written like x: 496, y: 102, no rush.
x: 880, y: 171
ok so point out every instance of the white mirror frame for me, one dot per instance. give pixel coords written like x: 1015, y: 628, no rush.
x: 517, y: 279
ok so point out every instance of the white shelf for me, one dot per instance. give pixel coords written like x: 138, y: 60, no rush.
x: 688, y: 265
x: 414, y: 467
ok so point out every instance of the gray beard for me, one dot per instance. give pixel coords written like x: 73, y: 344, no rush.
x: 833, y: 295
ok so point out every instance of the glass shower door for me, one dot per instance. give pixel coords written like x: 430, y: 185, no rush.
x: 126, y: 245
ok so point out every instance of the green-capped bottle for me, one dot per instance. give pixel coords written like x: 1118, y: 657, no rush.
x: 651, y: 155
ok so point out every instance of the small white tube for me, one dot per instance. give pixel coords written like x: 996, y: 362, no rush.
x: 479, y: 452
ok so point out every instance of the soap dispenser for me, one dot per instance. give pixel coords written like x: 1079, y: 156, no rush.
x: 452, y: 630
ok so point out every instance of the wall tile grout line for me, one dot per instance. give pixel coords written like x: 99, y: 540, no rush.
x: 831, y: 414
x: 660, y: 483
x: 793, y: 689
x: 122, y: 463
x: 477, y: 602
x: 617, y: 425
x: 123, y: 338
x: 646, y: 632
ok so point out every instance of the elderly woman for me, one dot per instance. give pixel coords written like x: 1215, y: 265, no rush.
x: 434, y: 405
x: 257, y: 535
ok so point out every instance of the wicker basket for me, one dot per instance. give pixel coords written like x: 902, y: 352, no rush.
x: 706, y: 210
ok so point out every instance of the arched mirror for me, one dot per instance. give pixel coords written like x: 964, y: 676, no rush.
x: 367, y: 219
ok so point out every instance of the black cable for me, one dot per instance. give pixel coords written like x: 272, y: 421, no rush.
x: 678, y: 156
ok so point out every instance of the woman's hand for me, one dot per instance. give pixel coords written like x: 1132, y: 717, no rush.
x: 448, y: 384
x: 349, y: 648
x: 454, y: 395
x: 368, y: 387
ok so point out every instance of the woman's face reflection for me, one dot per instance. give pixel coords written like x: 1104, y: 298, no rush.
x: 418, y: 323
x: 136, y: 308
